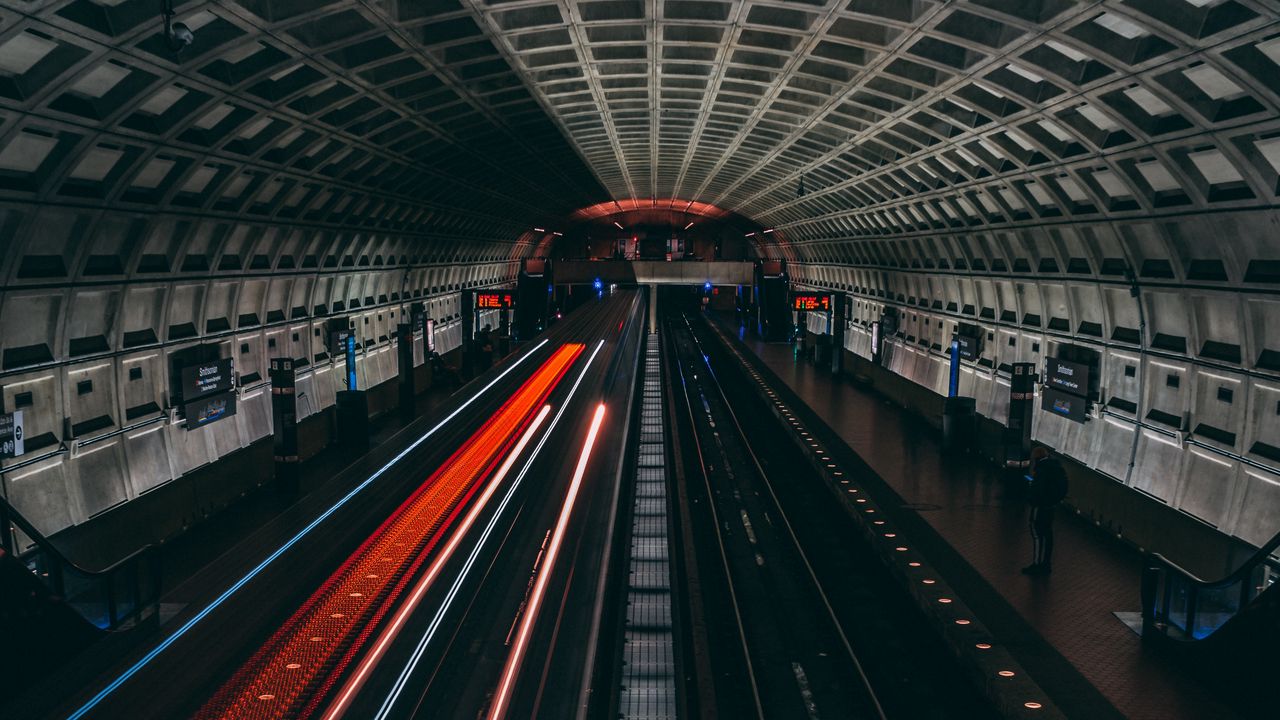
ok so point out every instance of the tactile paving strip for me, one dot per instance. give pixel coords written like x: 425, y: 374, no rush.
x: 291, y: 673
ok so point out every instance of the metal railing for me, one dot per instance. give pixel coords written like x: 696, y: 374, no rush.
x: 111, y: 598
x: 1179, y: 605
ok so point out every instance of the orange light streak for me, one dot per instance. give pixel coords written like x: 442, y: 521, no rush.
x: 502, y: 699
x: 294, y: 670
x: 374, y: 656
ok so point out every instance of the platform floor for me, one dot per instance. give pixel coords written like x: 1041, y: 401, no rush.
x: 966, y: 503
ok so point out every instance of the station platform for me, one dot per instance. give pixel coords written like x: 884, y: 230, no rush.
x: 185, y: 551
x: 1062, y: 627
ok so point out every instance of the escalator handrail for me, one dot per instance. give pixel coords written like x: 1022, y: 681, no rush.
x: 1259, y: 557
x: 46, y: 545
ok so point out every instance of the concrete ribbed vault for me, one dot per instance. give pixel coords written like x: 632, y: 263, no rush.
x: 1102, y: 172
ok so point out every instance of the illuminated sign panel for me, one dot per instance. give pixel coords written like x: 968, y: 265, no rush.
x: 493, y: 300
x: 208, y: 392
x: 1068, y: 377
x: 1066, y: 391
x: 810, y: 302
x: 206, y: 378
x: 1070, y: 407
x: 209, y: 409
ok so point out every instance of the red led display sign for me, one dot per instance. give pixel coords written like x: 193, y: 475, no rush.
x: 493, y: 300
x: 810, y: 302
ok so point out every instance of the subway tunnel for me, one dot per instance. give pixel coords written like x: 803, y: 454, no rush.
x: 984, y: 226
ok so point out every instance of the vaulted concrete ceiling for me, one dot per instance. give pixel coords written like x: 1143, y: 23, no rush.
x: 823, y: 118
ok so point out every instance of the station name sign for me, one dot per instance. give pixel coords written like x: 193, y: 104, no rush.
x: 810, y: 301
x: 338, y: 341
x: 970, y: 347
x: 207, y: 378
x: 208, y: 392
x: 494, y: 300
x: 1067, y: 377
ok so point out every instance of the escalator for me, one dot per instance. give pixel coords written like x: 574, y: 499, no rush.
x: 1225, y: 630
x: 51, y: 609
x: 42, y: 627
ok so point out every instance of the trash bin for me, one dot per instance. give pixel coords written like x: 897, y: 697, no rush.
x: 959, y: 422
x: 353, y: 419
x: 822, y: 353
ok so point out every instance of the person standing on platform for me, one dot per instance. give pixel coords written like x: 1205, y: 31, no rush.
x: 485, y: 341
x: 1048, y: 488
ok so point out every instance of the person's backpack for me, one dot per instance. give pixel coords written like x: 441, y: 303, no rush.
x: 1055, y: 479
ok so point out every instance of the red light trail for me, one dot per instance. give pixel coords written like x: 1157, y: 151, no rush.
x: 374, y: 656
x: 502, y: 699
x: 294, y: 670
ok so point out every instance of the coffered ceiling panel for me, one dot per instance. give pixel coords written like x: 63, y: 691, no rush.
x: 824, y: 119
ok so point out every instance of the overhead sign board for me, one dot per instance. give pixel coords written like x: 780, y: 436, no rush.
x: 1067, y: 377
x: 11, y: 435
x: 338, y: 341
x: 970, y: 347
x: 493, y: 300
x: 807, y: 301
x: 207, y: 378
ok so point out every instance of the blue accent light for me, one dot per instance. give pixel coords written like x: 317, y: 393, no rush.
x: 351, y: 362
x: 953, y: 389
x: 597, y: 284
x: 707, y: 286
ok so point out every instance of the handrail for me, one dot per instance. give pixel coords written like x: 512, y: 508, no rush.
x: 1172, y: 596
x: 11, y: 513
x: 139, y: 594
x: 1259, y: 557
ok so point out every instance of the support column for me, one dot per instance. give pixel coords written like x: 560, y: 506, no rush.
x: 284, y: 425
x: 837, y: 334
x: 1017, y: 435
x: 467, y: 311
x: 404, y: 348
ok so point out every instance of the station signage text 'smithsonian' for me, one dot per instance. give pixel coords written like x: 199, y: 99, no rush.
x: 206, y: 378
x: 1069, y: 377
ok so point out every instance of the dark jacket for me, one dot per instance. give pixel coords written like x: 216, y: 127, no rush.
x: 1048, y: 484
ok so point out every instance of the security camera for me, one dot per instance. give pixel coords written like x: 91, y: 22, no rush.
x: 181, y: 36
